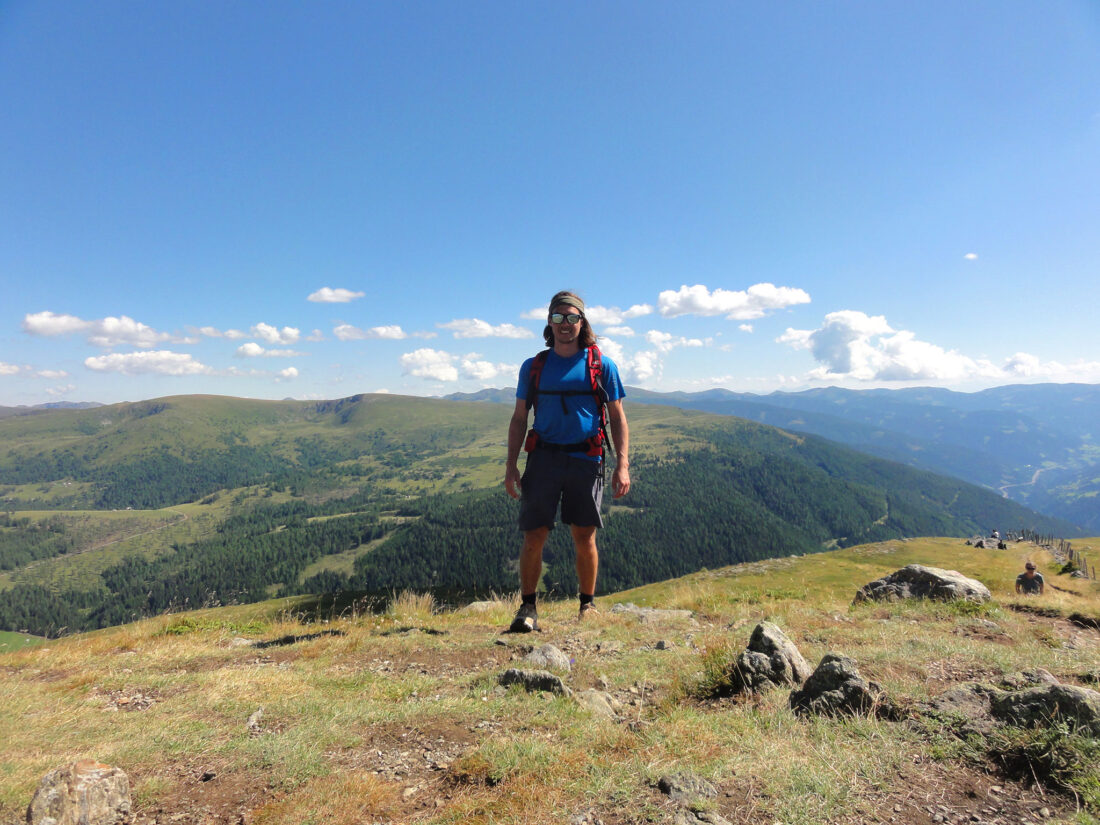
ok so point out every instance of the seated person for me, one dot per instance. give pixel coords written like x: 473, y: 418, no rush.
x: 1030, y: 582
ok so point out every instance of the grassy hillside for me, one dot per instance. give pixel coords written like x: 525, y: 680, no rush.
x: 396, y: 716
x: 998, y: 437
x: 376, y: 493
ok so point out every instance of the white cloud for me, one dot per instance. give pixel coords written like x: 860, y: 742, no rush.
x: 234, y: 334
x: 430, y: 363
x: 51, y: 374
x: 254, y: 350
x: 286, y: 335
x: 50, y: 324
x: 745, y: 327
x: 289, y: 372
x: 1024, y: 365
x: 316, y: 336
x: 614, y: 315
x: 8, y: 369
x: 625, y: 332
x: 476, y: 328
x: 162, y: 362
x: 971, y: 256
x: 852, y: 344
x: 327, y: 295
x: 211, y: 332
x: 445, y: 366
x: 485, y: 370
x: 740, y: 305
x: 640, y: 366
x: 347, y: 332
x: 666, y: 342
x: 104, y: 332
x: 57, y: 392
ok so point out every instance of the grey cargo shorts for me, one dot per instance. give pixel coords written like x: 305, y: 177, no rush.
x: 551, y: 477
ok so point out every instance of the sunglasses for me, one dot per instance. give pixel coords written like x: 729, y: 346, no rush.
x: 571, y: 318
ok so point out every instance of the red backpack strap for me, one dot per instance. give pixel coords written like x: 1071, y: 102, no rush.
x: 533, y: 378
x: 594, y: 359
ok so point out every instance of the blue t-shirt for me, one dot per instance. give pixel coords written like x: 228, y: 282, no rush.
x: 581, y: 415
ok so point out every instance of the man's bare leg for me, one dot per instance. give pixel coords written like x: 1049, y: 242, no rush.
x: 530, y: 568
x: 530, y: 559
x: 588, y: 562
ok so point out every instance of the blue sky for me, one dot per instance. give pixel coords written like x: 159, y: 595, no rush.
x: 310, y: 200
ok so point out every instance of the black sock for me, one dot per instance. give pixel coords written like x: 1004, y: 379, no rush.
x: 529, y: 598
x: 587, y: 598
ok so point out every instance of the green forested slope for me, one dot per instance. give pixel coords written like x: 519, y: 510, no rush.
x: 409, y: 489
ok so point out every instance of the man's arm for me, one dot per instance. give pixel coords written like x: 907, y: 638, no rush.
x: 620, y: 437
x: 517, y: 431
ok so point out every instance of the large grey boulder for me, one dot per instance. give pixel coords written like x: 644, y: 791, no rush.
x: 915, y: 581
x: 837, y: 689
x: 1042, y: 705
x: 770, y: 660
x: 82, y: 793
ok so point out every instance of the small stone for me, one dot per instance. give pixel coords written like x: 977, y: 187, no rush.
x: 409, y: 791
x: 550, y: 657
x: 1044, y: 813
x: 663, y: 645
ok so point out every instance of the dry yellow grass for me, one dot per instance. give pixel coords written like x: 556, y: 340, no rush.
x: 396, y: 717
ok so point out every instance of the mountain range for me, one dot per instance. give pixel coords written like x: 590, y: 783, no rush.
x: 1035, y: 443
x: 131, y: 509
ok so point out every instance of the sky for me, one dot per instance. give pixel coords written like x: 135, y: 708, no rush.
x: 316, y: 199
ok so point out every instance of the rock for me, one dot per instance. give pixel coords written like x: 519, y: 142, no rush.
x: 598, y: 701
x: 916, y: 581
x: 771, y: 659
x: 664, y: 644
x: 254, y: 727
x: 1028, y: 678
x: 965, y: 708
x: 609, y: 647
x: 686, y: 787
x: 1041, y: 705
x: 478, y: 607
x: 550, y: 657
x: 836, y: 689
x: 534, y: 680
x: 83, y: 793
x: 650, y: 614
x: 691, y: 816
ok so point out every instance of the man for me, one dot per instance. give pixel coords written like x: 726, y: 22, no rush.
x: 565, y: 462
x: 1030, y: 582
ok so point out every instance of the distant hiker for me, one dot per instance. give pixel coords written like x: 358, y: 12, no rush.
x: 995, y: 535
x: 1030, y: 582
x: 577, y: 396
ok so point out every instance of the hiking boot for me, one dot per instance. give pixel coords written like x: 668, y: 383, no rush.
x: 526, y: 620
x: 587, y: 609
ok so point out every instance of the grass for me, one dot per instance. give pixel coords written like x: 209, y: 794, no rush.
x: 395, y: 716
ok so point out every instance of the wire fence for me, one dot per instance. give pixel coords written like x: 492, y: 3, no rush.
x: 1063, y: 548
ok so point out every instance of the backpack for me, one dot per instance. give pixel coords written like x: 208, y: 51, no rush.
x: 594, y: 444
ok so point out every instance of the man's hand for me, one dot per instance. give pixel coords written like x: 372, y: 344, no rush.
x: 512, y: 480
x: 620, y: 482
